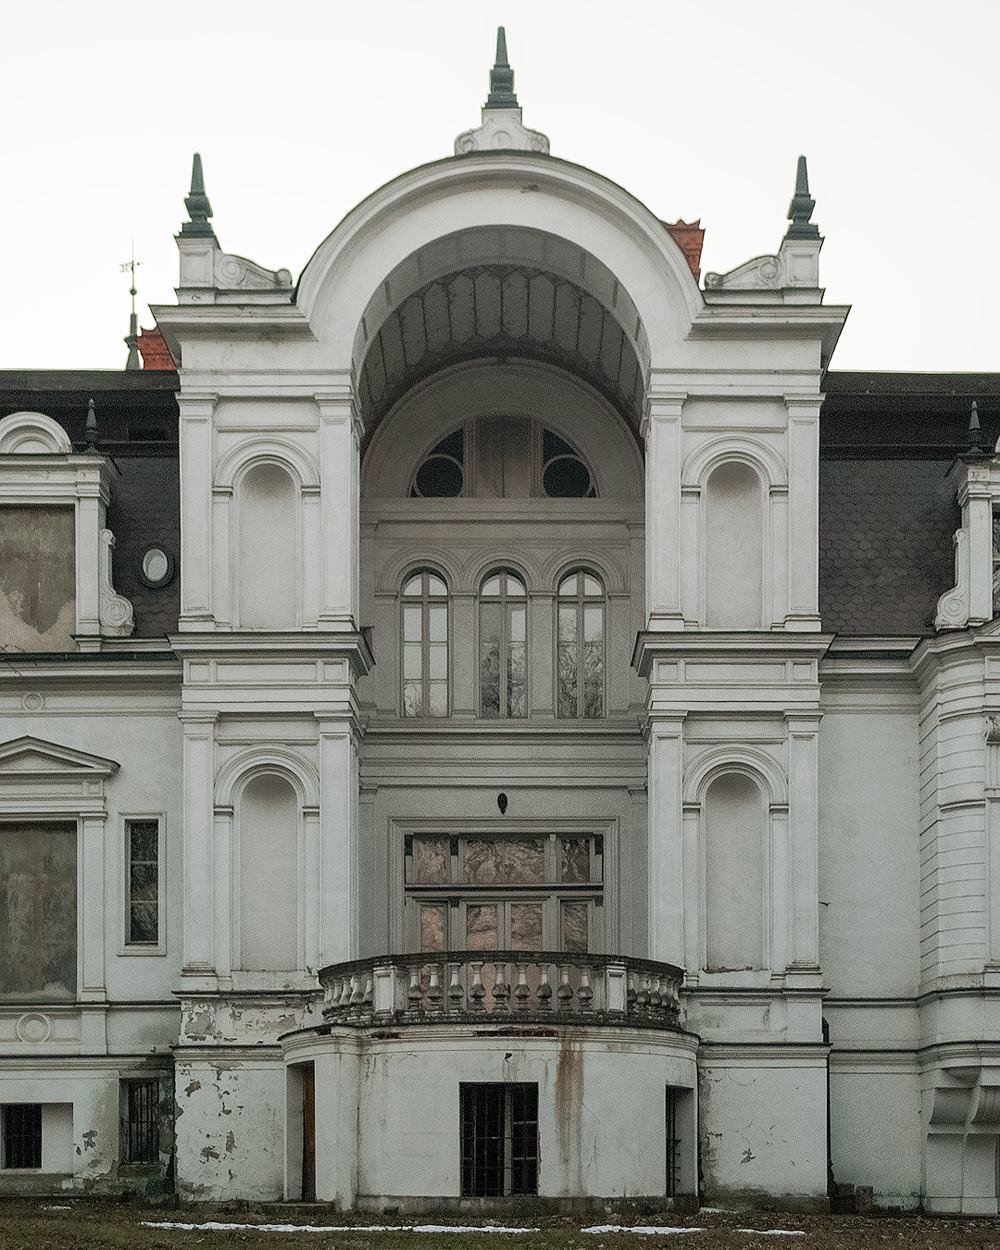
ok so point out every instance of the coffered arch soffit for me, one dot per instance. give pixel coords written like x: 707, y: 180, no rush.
x: 499, y: 209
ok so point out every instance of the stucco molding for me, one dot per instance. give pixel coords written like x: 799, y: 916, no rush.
x: 34, y: 434
x: 267, y: 758
x: 729, y: 757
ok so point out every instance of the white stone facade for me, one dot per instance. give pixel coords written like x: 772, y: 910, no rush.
x: 805, y: 824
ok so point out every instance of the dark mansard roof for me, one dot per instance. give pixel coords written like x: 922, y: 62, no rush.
x: 887, y: 510
x: 137, y: 429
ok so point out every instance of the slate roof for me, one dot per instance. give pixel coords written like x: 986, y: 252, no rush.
x: 137, y: 424
x: 887, y: 508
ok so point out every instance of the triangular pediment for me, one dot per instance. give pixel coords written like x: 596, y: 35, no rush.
x: 34, y: 757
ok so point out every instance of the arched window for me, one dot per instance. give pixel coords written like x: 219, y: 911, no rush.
x: 580, y: 645
x: 503, y: 624
x: 425, y: 645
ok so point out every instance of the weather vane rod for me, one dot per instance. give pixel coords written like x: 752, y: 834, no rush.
x: 132, y: 340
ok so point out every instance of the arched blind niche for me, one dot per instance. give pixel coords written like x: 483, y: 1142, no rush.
x: 734, y: 824
x: 734, y: 548
x: 269, y: 863
x: 268, y: 563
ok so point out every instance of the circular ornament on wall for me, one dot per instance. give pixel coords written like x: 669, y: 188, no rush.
x: 157, y: 567
x: 33, y: 1027
x: 32, y: 701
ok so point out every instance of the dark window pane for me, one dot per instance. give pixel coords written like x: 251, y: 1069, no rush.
x: 433, y: 927
x: 453, y: 445
x: 575, y: 927
x: 526, y: 926
x: 142, y: 924
x: 431, y: 860
x: 575, y: 860
x: 439, y: 477
x: 566, y: 478
x: 22, y: 1135
x: 553, y: 445
x: 481, y: 927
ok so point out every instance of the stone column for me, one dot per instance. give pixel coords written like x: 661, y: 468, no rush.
x: 199, y: 853
x: 662, y: 433
x: 338, y: 842
x: 666, y: 858
x: 196, y: 467
x: 340, y: 433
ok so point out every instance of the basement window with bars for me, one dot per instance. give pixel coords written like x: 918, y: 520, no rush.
x: 140, y: 1129
x: 21, y: 1123
x: 499, y: 1139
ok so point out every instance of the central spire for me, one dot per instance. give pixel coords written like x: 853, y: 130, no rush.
x: 501, y: 78
x: 502, y: 129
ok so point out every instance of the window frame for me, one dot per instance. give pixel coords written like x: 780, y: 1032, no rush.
x: 505, y: 602
x: 126, y: 1085
x: 425, y: 600
x: 127, y: 947
x: 580, y: 600
x: 507, y: 1093
x: 5, y: 1111
x: 456, y: 894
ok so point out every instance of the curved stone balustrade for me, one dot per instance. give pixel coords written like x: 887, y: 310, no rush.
x: 535, y: 986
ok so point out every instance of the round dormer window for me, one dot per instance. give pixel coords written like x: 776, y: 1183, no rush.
x: 157, y: 567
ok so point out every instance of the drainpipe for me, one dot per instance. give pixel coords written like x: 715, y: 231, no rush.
x: 831, y: 1184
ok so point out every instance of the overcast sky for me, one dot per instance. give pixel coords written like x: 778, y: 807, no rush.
x: 699, y: 107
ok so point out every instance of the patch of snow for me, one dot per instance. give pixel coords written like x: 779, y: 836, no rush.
x: 215, y: 1226
x: 773, y: 1232
x: 57, y: 1208
x: 643, y: 1230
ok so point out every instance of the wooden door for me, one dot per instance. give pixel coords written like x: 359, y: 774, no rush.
x: 308, y: 1132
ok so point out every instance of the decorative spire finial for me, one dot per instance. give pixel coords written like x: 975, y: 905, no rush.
x: 975, y: 434
x: 90, y: 429
x: 132, y: 338
x: 501, y: 78
x: 197, y: 204
x: 800, y: 210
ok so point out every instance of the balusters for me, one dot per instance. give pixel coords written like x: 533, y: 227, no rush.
x: 564, y: 992
x: 436, y: 987
x: 522, y: 991
x: 501, y: 990
x: 477, y: 992
x: 585, y: 995
x: 434, y: 991
x: 456, y: 994
x: 544, y: 994
x: 414, y: 993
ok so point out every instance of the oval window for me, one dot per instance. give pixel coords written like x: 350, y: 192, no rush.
x: 157, y: 567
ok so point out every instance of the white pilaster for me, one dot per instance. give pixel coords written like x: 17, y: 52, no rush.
x: 803, y: 771
x: 338, y: 842
x: 662, y: 434
x: 666, y: 840
x: 196, y: 411
x: 90, y: 902
x: 803, y: 511
x: 199, y: 851
x: 340, y: 433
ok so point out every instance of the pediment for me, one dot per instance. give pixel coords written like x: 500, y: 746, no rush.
x: 27, y: 757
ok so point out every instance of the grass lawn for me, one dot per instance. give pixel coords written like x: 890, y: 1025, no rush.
x: 81, y: 1224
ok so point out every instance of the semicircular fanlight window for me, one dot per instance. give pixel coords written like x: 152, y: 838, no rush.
x: 564, y: 474
x: 441, y: 474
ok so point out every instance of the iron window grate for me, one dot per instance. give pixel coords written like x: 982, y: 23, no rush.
x: 499, y: 1139
x: 141, y: 1129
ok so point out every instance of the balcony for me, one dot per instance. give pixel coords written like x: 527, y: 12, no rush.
x: 536, y: 987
